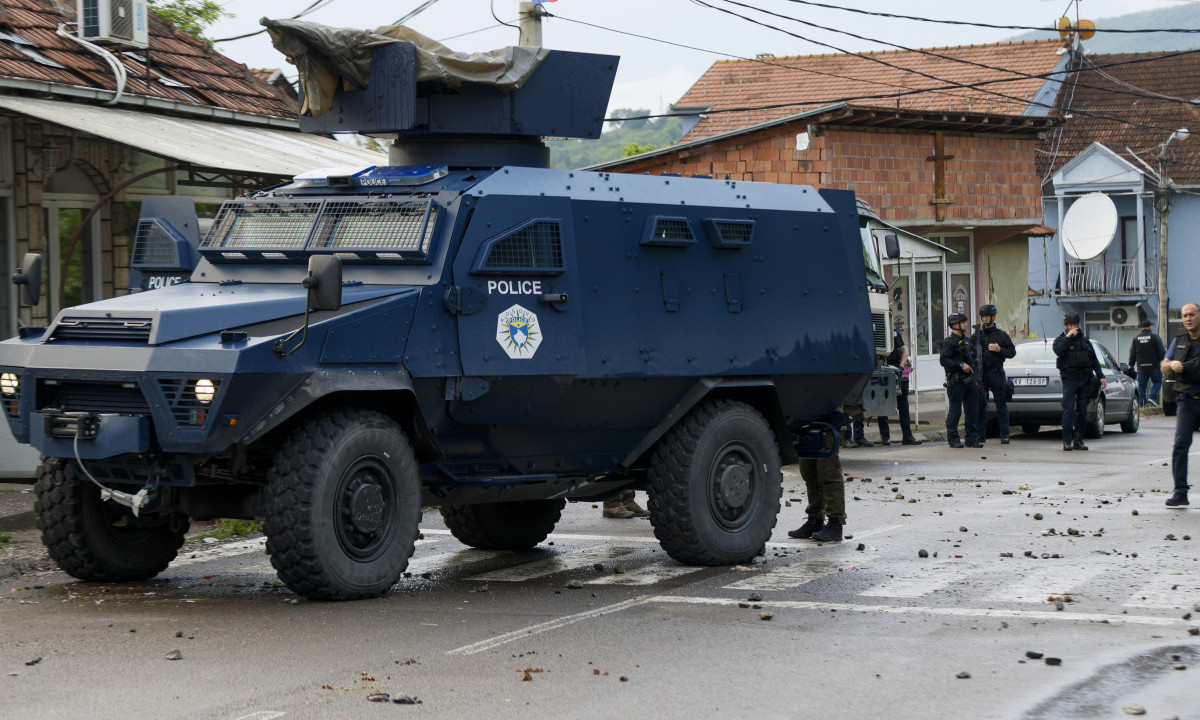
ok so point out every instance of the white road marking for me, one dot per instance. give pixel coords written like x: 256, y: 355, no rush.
x: 257, y: 545
x: 463, y: 556
x: 262, y: 715
x: 1044, y: 582
x: 916, y: 585
x: 549, y: 566
x: 490, y: 643
x: 1168, y: 590
x: 648, y: 575
x: 951, y: 611
x: 791, y: 576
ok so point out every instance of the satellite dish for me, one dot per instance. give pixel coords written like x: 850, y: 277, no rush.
x: 1089, y: 227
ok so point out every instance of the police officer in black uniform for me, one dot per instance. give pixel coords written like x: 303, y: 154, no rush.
x: 962, y: 387
x: 1146, y: 352
x: 1183, y: 361
x: 994, y: 346
x: 1082, y: 379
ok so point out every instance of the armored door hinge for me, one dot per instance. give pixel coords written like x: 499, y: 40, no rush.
x: 464, y: 300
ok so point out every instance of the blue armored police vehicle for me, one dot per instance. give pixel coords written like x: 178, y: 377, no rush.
x: 463, y: 328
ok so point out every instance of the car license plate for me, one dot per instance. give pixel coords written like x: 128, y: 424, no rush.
x: 1031, y: 381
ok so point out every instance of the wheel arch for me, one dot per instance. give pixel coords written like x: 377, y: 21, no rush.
x: 762, y: 395
x: 390, y: 393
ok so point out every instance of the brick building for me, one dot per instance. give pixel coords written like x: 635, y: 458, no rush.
x: 940, y: 142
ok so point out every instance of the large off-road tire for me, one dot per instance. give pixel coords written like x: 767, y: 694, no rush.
x: 1134, y: 421
x: 503, y: 526
x: 343, y: 506
x: 98, y: 540
x: 1095, y: 424
x: 715, y: 485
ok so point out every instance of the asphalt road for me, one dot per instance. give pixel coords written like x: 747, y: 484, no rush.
x: 1031, y: 549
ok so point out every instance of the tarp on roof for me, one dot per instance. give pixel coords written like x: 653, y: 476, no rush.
x: 325, y: 55
x: 199, y: 143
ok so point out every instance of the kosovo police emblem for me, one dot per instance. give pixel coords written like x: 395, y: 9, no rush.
x: 518, y: 332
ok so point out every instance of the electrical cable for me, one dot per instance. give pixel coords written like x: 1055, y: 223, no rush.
x: 869, y: 58
x: 470, y: 32
x: 990, y: 26
x: 927, y: 53
x: 415, y: 11
x: 950, y: 86
x: 313, y: 7
x: 492, y: 6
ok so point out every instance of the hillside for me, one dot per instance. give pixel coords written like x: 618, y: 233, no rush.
x: 1185, y: 17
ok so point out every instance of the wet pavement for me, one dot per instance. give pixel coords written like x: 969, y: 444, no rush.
x: 1029, y: 550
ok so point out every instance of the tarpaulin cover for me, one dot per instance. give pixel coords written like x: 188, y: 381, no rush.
x: 327, y: 56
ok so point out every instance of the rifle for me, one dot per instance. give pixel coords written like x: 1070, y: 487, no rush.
x: 977, y: 366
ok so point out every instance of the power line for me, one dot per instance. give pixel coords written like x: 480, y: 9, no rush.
x: 313, y: 7
x: 415, y: 11
x: 990, y: 26
x: 897, y: 67
x: 929, y: 53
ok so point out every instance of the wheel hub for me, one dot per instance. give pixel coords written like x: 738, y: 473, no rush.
x: 733, y: 483
x: 367, y: 508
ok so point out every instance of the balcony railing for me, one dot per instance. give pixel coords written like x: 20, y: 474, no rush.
x: 1119, y: 277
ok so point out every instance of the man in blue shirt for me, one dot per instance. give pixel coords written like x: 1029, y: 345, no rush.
x: 1183, y: 359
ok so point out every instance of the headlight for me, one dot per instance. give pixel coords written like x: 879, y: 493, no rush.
x: 205, y: 390
x: 9, y: 384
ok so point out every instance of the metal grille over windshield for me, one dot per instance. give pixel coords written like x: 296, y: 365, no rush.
x: 380, y: 224
x: 368, y: 229
x: 262, y: 225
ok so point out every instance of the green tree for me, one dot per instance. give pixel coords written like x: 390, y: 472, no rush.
x: 633, y: 148
x: 191, y: 16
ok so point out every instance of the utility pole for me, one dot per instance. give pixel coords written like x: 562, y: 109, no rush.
x: 530, y: 24
x: 1162, y: 205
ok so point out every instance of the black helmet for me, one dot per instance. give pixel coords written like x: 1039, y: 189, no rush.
x: 1146, y: 324
x: 988, y: 310
x: 1071, y: 319
x: 955, y: 318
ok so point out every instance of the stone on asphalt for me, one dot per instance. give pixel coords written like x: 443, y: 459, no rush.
x: 964, y: 675
x: 575, y: 585
x: 1134, y: 710
x: 174, y: 655
x: 923, y: 553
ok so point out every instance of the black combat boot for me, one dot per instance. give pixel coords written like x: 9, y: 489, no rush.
x: 832, y: 532
x: 911, y: 441
x: 1078, y: 443
x: 1179, y: 498
x: 1067, y: 443
x: 805, y: 531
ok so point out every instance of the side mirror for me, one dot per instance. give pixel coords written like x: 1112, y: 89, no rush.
x: 891, y: 246
x: 324, y: 282
x: 29, y: 278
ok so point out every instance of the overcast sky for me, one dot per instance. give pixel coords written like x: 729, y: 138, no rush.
x: 652, y: 74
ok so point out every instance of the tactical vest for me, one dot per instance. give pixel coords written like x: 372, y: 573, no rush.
x: 897, y: 349
x: 1145, y: 349
x: 1183, y: 387
x: 961, y: 352
x: 1078, y: 356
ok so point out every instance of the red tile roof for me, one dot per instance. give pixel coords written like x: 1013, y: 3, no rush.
x: 808, y: 81
x: 1131, y: 108
x: 213, y: 80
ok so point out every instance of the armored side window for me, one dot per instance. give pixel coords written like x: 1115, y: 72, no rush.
x: 729, y: 233
x: 158, y: 246
x: 534, y: 247
x: 666, y: 231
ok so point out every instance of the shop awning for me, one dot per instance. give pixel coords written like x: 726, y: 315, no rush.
x: 198, y: 143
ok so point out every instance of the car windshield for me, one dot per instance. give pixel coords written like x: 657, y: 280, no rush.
x: 1034, y: 353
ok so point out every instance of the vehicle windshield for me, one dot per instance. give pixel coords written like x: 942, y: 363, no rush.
x: 1034, y: 353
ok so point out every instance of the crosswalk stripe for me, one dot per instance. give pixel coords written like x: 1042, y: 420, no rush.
x: 549, y: 566
x: 649, y: 575
x: 1167, y: 590
x: 1040, y: 584
x: 791, y: 576
x: 927, y: 581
